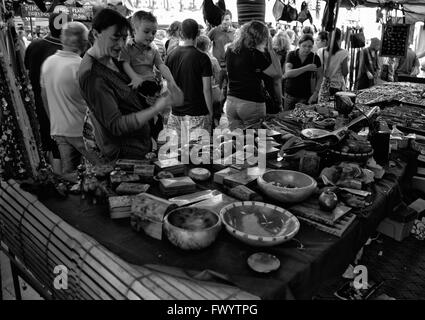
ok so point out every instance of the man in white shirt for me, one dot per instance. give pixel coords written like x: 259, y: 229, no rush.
x: 61, y: 93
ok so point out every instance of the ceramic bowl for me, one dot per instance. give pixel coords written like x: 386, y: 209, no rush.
x: 286, y: 185
x: 192, y: 228
x: 259, y: 224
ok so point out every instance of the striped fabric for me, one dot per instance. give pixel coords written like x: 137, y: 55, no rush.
x: 251, y: 10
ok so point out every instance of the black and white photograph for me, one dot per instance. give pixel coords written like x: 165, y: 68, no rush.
x: 215, y: 156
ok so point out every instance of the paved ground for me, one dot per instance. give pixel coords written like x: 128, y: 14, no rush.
x: 7, y: 283
x: 400, y: 265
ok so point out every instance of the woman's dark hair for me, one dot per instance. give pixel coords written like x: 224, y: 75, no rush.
x: 306, y: 37
x: 323, y: 36
x: 174, y: 29
x: 190, y: 29
x: 106, y: 18
x: 336, y: 46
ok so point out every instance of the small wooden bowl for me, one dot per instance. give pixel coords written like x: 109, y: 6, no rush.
x: 192, y: 228
x: 303, y: 186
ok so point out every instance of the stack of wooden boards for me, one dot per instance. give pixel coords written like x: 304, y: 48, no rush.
x: 176, y: 186
x: 130, y: 178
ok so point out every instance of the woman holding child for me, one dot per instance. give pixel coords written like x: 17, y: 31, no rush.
x: 117, y: 123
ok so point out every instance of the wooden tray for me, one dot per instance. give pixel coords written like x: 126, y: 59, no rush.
x: 338, y: 229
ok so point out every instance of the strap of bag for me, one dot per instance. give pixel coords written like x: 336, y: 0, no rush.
x: 325, y: 67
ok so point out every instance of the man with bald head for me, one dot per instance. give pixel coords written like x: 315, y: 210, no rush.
x: 61, y: 93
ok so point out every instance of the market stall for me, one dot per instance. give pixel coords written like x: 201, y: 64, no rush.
x: 158, y: 228
x: 306, y: 260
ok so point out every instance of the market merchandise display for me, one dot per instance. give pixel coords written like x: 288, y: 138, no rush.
x: 322, y: 181
x: 12, y: 156
x: 320, y: 167
x: 331, y: 173
x: 20, y: 142
x: 406, y: 92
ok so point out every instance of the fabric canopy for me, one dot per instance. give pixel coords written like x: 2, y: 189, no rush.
x: 414, y: 9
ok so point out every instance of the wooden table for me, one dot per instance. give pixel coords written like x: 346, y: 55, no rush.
x: 98, y: 261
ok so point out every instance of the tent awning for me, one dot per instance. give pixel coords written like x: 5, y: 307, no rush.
x: 414, y: 9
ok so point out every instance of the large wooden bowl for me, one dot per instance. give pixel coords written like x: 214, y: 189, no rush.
x: 259, y: 224
x: 192, y: 228
x: 296, y: 186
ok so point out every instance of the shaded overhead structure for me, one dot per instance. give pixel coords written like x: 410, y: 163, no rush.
x: 414, y: 9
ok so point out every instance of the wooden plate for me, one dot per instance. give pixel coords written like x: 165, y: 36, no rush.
x: 263, y: 262
x: 199, y: 174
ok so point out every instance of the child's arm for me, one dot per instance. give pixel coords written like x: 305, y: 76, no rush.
x: 166, y: 73
x: 136, y: 79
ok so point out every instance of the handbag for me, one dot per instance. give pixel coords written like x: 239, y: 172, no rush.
x: 285, y: 12
x: 89, y: 136
x: 305, y: 15
x: 324, y: 92
x: 358, y: 40
x: 278, y: 9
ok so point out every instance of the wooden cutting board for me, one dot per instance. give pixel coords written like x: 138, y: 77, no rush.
x: 310, y: 209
